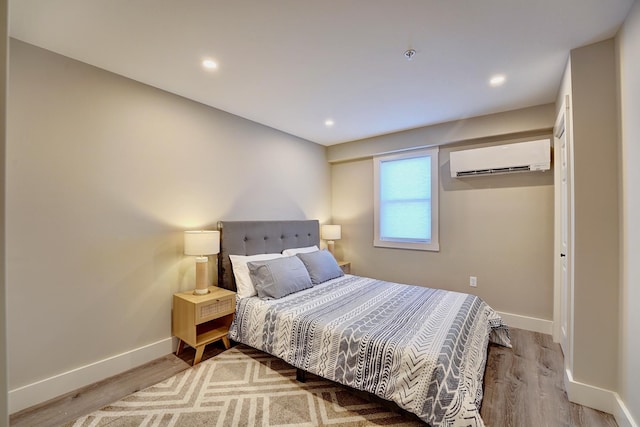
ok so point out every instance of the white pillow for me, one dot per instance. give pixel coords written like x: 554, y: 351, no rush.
x: 293, y: 251
x: 244, y: 285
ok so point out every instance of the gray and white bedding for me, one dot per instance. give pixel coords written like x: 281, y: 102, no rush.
x: 424, y: 349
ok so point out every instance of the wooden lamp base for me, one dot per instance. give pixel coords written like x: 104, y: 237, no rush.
x: 331, y: 247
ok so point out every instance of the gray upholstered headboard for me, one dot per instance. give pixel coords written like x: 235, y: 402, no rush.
x: 261, y: 237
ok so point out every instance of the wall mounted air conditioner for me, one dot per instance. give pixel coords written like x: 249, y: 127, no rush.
x: 501, y: 159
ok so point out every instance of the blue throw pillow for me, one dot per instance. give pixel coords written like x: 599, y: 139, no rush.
x: 278, y: 277
x: 321, y: 265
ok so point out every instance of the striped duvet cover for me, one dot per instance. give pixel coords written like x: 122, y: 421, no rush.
x: 424, y: 349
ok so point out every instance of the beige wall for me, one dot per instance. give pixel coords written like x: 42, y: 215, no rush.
x: 4, y: 420
x: 596, y: 251
x: 521, y: 122
x: 103, y: 174
x: 498, y: 228
x: 629, y: 70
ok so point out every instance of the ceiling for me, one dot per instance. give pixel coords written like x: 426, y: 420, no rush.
x: 292, y: 64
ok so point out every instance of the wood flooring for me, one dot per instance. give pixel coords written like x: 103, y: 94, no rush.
x: 523, y: 387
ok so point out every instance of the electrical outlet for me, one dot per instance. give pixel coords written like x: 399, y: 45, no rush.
x: 473, y: 281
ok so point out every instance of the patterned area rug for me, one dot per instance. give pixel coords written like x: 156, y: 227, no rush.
x: 243, y: 387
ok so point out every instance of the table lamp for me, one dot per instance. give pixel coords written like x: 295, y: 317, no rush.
x: 201, y: 244
x: 331, y: 233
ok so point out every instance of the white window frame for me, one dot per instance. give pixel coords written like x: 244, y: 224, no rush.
x: 434, y: 243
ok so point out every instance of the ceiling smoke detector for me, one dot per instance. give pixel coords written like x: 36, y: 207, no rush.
x: 409, y: 54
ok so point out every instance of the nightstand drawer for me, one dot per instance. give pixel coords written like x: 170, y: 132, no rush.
x: 213, y: 309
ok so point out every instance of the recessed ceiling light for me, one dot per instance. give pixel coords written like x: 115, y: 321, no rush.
x: 497, y: 80
x: 209, y: 64
x: 328, y: 123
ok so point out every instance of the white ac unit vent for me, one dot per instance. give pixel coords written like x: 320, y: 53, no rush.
x: 501, y: 159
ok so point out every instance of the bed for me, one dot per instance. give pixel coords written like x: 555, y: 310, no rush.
x: 424, y: 349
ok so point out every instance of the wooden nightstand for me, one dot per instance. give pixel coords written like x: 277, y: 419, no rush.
x: 345, y: 266
x: 199, y: 320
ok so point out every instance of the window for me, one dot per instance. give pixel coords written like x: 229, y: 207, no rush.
x: 406, y: 200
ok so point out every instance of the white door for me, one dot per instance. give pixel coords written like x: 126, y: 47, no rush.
x: 564, y: 215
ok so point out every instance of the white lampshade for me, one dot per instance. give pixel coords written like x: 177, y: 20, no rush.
x: 201, y: 242
x: 331, y: 232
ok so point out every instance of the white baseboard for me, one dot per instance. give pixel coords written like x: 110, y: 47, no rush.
x: 528, y: 323
x: 589, y: 395
x: 622, y: 414
x: 43, y: 390
x: 598, y: 398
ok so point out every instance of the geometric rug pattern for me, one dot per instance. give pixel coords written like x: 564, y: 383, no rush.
x: 243, y: 387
